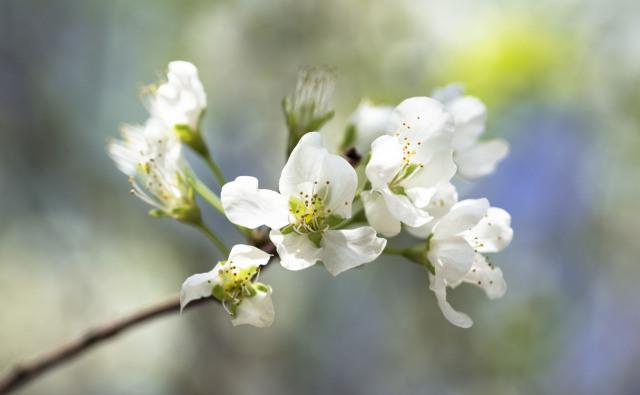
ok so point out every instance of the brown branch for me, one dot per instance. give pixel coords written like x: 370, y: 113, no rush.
x: 23, y: 372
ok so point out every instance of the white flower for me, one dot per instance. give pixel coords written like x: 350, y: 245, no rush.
x: 316, y: 192
x: 458, y: 241
x: 231, y: 282
x: 152, y: 158
x: 369, y: 122
x: 474, y: 159
x: 407, y: 166
x: 181, y: 100
x: 445, y: 197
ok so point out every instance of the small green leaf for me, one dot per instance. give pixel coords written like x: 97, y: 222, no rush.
x: 349, y: 138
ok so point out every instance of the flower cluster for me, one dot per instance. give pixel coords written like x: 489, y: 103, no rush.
x: 395, y: 170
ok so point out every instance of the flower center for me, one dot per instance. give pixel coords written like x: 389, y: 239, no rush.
x: 308, y: 210
x: 236, y: 282
x: 409, y: 151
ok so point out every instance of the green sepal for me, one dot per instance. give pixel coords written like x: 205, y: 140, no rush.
x: 261, y: 287
x: 319, y: 122
x: 397, y: 189
x: 418, y: 254
x: 191, y: 138
x: 334, y: 221
x: 250, y: 292
x: 287, y: 229
x: 349, y: 137
x: 188, y: 214
x: 218, y: 292
x: 157, y: 213
x: 316, y: 238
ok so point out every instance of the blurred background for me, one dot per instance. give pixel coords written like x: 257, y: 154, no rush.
x: 560, y: 78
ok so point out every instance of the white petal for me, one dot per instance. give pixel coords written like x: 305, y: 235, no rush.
x: 452, y: 258
x: 303, y: 166
x: 448, y: 93
x: 470, y: 116
x: 487, y: 276
x: 343, y: 183
x: 439, y: 169
x: 296, y: 251
x: 124, y: 156
x: 378, y: 215
x: 445, y: 197
x: 385, y: 162
x: 256, y: 310
x: 481, y: 159
x: 198, y: 286
x: 439, y: 287
x: 370, y: 122
x: 421, y: 232
x: 246, y: 256
x: 311, y: 166
x: 348, y: 248
x: 493, y: 233
x: 182, y: 69
x: 420, y: 197
x: 246, y: 205
x: 419, y: 118
x: 403, y: 209
x: 463, y: 216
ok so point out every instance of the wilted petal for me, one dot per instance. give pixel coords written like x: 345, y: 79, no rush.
x: 457, y: 318
x: 348, y: 248
x: 246, y: 205
x: 296, y: 251
x: 256, y: 310
x: 378, y: 215
x: 481, y: 159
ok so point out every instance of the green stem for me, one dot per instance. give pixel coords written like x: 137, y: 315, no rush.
x: 207, y: 194
x: 416, y: 254
x: 393, y: 251
x: 214, y: 238
x: 215, y: 169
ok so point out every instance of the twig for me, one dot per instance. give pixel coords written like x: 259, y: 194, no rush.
x: 23, y: 372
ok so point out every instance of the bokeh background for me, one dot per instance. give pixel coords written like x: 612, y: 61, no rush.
x: 561, y: 79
